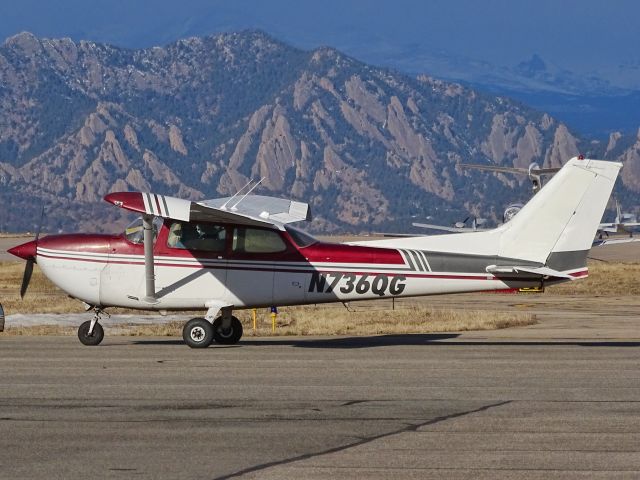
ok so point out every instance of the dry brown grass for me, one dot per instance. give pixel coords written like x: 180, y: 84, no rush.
x: 15, y: 235
x: 39, y: 330
x: 605, y: 279
x: 337, y: 320
x: 169, y: 329
x: 327, y: 321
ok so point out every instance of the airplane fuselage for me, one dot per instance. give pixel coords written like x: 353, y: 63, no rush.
x: 105, y: 271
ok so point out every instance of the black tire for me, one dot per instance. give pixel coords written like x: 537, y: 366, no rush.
x: 197, y: 333
x: 228, y: 336
x: 96, y: 336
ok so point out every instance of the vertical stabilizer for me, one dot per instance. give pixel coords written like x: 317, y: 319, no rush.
x: 562, y: 219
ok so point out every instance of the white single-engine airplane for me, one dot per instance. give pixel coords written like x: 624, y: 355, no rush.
x: 241, y: 252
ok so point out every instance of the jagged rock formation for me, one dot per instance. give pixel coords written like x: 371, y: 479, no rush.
x: 367, y: 147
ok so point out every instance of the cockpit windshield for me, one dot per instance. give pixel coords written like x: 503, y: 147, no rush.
x: 300, y: 237
x: 135, y: 234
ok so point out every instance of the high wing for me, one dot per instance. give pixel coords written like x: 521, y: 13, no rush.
x: 253, y: 210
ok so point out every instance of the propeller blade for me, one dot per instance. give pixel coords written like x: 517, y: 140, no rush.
x: 26, y: 278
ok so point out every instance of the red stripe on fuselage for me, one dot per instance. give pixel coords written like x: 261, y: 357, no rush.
x: 340, y: 253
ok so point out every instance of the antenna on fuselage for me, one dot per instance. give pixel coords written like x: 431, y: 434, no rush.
x: 250, y: 190
x: 224, y: 206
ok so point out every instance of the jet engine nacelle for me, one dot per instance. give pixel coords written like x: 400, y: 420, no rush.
x: 511, y: 211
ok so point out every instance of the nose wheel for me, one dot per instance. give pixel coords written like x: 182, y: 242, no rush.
x: 91, y: 332
x: 89, y: 336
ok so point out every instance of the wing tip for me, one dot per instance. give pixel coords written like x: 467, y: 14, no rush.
x: 128, y: 200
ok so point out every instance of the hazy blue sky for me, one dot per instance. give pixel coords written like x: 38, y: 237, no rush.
x: 580, y: 34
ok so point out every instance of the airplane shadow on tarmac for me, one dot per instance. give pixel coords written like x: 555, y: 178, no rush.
x: 432, y: 340
x: 339, y: 342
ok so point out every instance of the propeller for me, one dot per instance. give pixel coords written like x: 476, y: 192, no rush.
x: 28, y: 269
x: 26, y: 277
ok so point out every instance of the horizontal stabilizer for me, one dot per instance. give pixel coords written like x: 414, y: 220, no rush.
x: 542, y: 271
x: 448, y: 229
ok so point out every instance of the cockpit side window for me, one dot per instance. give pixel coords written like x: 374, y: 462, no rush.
x: 207, y: 237
x: 135, y: 233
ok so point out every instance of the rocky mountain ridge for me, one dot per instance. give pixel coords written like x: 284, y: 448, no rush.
x: 369, y: 148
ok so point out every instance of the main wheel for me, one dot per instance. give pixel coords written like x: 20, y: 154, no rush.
x: 96, y: 336
x: 198, y: 333
x: 227, y: 336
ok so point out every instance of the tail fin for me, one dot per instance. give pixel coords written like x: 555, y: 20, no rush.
x: 556, y: 227
x: 552, y: 233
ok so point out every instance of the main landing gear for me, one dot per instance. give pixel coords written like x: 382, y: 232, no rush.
x: 91, y: 332
x: 197, y: 333
x: 200, y: 332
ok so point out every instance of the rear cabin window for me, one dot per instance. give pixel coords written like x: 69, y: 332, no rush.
x: 206, y: 237
x: 253, y: 240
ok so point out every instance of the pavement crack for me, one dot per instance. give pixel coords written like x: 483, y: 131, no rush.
x: 412, y: 427
x: 353, y: 402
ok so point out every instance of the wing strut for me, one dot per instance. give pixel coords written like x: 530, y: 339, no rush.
x: 149, y: 273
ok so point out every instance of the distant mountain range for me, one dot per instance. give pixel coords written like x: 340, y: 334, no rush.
x: 592, y: 103
x: 586, y: 72
x: 371, y: 149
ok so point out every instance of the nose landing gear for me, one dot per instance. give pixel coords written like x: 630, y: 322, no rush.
x: 91, y: 332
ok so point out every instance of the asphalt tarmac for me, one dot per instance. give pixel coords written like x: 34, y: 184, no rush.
x: 560, y: 399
